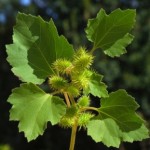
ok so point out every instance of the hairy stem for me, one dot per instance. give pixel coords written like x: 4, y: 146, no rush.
x: 73, y: 135
x: 67, y: 99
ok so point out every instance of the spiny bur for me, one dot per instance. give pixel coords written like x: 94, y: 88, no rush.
x: 84, y: 118
x: 72, y: 90
x: 83, y: 101
x: 67, y: 121
x: 62, y: 66
x: 82, y: 59
x: 57, y: 82
x: 80, y: 80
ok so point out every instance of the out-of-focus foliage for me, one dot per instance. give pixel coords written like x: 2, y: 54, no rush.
x: 130, y: 72
x: 5, y: 147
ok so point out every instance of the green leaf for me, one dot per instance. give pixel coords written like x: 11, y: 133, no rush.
x: 105, y: 131
x: 95, y: 86
x: 36, y: 45
x: 33, y: 108
x: 111, y: 31
x: 121, y: 107
x: 136, y: 135
x: 108, y: 132
x: 119, y: 47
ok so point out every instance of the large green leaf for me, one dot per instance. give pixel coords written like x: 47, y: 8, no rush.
x: 120, y: 107
x: 108, y: 132
x: 110, y: 32
x: 95, y: 86
x: 36, y: 45
x: 33, y: 108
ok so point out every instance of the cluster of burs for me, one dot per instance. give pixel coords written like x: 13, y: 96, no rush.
x: 71, y: 79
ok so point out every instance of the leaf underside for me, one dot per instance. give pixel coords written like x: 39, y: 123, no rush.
x: 33, y: 108
x: 108, y: 132
x: 117, y: 121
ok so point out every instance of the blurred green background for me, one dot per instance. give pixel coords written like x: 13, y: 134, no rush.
x: 131, y: 71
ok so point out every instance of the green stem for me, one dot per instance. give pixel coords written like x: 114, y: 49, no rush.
x: 72, y: 99
x: 67, y: 99
x: 55, y: 92
x: 92, y: 50
x: 73, y: 135
x: 89, y: 108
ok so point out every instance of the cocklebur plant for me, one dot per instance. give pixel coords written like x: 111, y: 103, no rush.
x: 39, y: 54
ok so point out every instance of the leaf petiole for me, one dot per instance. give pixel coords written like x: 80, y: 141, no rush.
x: 89, y: 108
x: 55, y: 92
x: 92, y: 50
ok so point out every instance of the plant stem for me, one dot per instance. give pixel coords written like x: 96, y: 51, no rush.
x: 89, y: 108
x: 72, y: 99
x: 92, y: 50
x: 73, y: 135
x: 67, y: 99
x: 55, y: 92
